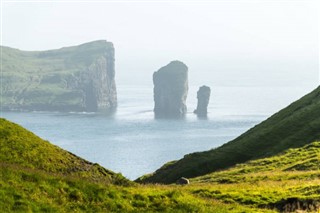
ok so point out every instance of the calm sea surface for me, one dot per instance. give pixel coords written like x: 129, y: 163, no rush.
x: 134, y: 143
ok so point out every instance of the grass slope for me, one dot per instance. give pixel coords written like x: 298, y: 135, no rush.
x: 29, y: 191
x: 294, y: 164
x: 33, y: 180
x: 19, y: 147
x: 294, y: 126
x: 36, y: 176
x: 278, y: 182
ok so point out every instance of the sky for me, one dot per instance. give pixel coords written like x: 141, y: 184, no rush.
x: 224, y: 43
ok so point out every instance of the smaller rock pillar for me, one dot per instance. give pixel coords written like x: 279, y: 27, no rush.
x: 203, y: 96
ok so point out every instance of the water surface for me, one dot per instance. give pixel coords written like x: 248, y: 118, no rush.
x: 132, y: 142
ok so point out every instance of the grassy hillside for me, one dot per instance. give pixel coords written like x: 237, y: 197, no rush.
x: 294, y: 126
x: 26, y: 190
x: 22, y: 149
x: 279, y: 182
x: 29, y: 191
x: 294, y: 164
x: 36, y: 176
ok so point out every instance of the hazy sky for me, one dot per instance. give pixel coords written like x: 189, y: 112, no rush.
x: 222, y: 42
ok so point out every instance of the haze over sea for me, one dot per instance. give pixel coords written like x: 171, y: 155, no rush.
x: 132, y: 142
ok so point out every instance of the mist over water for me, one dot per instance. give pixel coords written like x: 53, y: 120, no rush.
x: 224, y: 43
x: 132, y: 142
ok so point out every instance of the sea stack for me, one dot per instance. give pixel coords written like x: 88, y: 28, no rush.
x: 203, y: 96
x: 171, y: 90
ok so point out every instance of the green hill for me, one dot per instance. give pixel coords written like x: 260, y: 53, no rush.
x: 287, y: 182
x: 77, y: 78
x: 22, y: 149
x: 29, y: 191
x: 294, y: 164
x: 36, y: 176
x: 294, y: 126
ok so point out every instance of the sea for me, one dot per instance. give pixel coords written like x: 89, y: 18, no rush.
x: 132, y: 142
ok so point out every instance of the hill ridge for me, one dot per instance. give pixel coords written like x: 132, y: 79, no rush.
x: 24, y: 149
x: 293, y: 126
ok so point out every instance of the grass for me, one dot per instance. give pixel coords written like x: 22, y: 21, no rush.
x: 267, y: 182
x: 294, y: 164
x: 21, y: 147
x: 36, y: 176
x: 292, y: 127
x: 29, y: 191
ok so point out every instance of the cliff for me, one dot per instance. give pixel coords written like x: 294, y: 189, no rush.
x: 78, y: 78
x: 171, y: 90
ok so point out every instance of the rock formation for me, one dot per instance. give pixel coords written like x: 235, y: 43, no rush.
x: 294, y: 204
x: 78, y: 78
x: 182, y: 181
x: 171, y: 90
x: 203, y: 96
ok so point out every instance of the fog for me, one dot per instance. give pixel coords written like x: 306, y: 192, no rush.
x: 225, y: 43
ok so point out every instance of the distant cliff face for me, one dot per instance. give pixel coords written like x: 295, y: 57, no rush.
x: 171, y: 90
x: 79, y: 78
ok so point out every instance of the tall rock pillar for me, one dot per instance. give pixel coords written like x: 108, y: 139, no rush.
x: 171, y: 90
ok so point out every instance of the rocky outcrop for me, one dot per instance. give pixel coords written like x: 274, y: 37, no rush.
x: 182, y: 181
x: 294, y: 204
x: 79, y: 78
x: 203, y: 96
x: 171, y: 90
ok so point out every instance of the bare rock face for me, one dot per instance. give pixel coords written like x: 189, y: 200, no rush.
x: 171, y: 90
x: 203, y: 96
x: 98, y: 83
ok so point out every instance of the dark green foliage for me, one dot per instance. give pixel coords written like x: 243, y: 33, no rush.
x: 294, y: 126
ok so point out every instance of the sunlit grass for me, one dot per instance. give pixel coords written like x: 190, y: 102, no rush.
x: 36, y: 176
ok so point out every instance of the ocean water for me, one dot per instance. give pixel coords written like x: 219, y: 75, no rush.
x: 134, y: 143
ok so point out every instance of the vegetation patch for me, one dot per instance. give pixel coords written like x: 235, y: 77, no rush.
x: 36, y: 176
